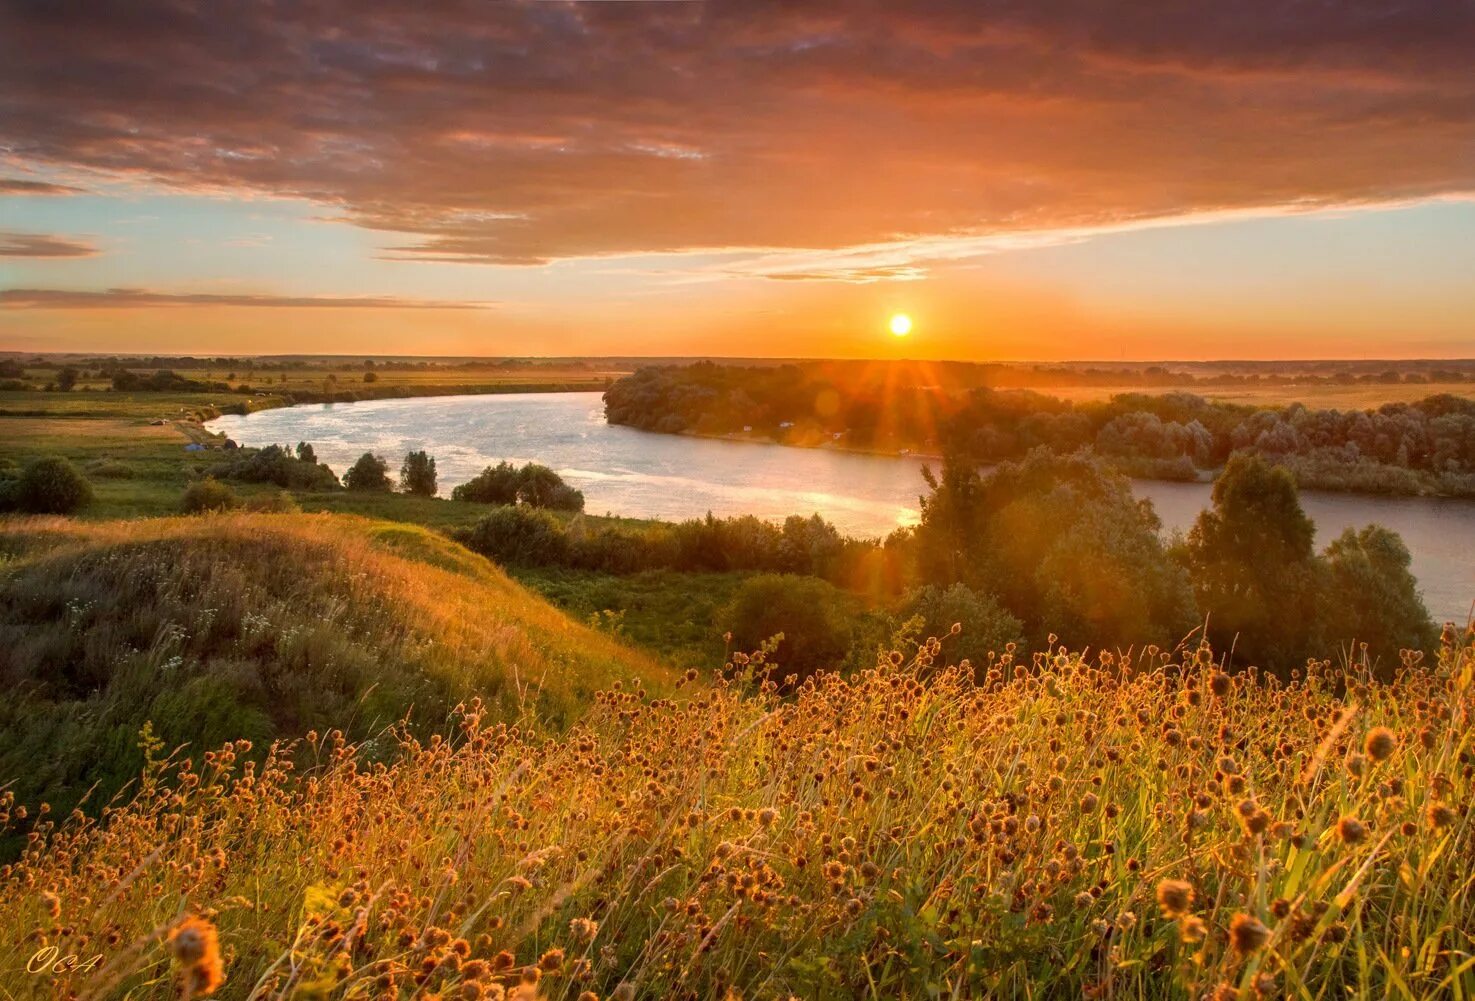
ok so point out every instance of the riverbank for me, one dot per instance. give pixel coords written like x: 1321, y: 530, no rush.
x: 672, y: 477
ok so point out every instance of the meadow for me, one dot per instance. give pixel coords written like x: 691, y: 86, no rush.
x: 1073, y: 825
x: 322, y: 750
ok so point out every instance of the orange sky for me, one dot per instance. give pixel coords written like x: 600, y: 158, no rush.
x: 1049, y: 180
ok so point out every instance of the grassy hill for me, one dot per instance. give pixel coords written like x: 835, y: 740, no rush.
x: 260, y: 626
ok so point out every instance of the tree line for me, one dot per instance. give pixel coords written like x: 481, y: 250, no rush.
x: 1427, y: 447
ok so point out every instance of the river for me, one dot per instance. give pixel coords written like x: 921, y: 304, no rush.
x: 639, y: 474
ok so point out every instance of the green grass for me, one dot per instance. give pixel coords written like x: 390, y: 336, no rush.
x: 263, y: 626
x: 673, y: 615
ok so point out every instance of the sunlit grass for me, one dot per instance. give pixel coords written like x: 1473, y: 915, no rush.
x: 1097, y: 826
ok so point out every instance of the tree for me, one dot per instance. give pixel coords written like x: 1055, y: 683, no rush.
x: 1064, y: 545
x: 536, y: 484
x: 417, y: 475
x: 369, y: 472
x: 986, y: 626
x: 808, y: 612
x: 1251, y: 559
x: 49, y: 485
x: 493, y: 485
x: 305, y: 453
x: 1369, y: 596
x: 66, y: 379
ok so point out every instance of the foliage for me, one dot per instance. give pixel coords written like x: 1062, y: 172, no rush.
x: 1369, y: 596
x: 208, y: 495
x: 276, y: 464
x: 532, y: 484
x: 984, y: 626
x: 810, y: 618
x: 1408, y: 448
x: 368, y: 472
x: 1062, y: 542
x: 260, y: 626
x: 1070, y: 827
x: 46, y: 485
x: 519, y: 536
x: 162, y: 381
x: 1274, y: 599
x: 417, y: 474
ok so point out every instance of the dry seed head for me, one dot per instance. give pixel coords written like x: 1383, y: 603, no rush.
x: 1247, y: 934
x: 1174, y: 896
x: 1351, y: 830
x: 1380, y: 743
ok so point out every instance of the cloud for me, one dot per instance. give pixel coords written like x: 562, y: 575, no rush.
x: 43, y: 245
x: 21, y: 186
x: 125, y: 298
x: 518, y: 133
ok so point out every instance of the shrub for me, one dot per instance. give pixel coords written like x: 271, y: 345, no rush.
x: 208, y: 495
x: 810, y: 615
x: 533, y: 484
x: 49, y: 485
x: 417, y: 475
x: 369, y: 472
x: 275, y: 464
x: 986, y: 626
x: 493, y: 485
x: 517, y: 535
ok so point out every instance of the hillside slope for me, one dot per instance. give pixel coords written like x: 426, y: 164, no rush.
x: 259, y: 626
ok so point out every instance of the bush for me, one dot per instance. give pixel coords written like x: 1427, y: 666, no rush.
x: 493, y: 485
x: 369, y: 472
x: 517, y: 535
x: 533, y: 484
x: 49, y: 485
x: 209, y: 494
x: 986, y: 626
x: 275, y: 464
x: 810, y: 615
x: 417, y: 475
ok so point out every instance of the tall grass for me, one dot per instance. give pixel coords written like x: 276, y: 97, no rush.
x: 1075, y: 826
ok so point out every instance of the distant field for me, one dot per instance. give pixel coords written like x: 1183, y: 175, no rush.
x: 321, y: 378
x: 1336, y: 397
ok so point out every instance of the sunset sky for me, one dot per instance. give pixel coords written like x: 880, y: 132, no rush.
x: 1026, y: 179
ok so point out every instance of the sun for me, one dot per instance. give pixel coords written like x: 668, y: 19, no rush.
x: 901, y: 324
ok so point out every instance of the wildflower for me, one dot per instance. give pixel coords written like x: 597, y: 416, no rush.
x: 1174, y: 896
x: 1351, y: 830
x: 1247, y: 934
x: 767, y: 816
x: 1380, y: 743
x: 196, y: 948
x: 551, y: 961
x: 1089, y: 802
x: 1438, y: 815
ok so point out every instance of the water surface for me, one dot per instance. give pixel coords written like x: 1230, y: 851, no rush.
x: 644, y: 475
